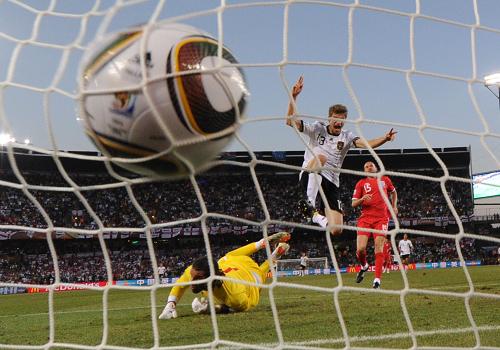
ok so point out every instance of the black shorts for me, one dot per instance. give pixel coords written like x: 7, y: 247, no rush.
x: 332, y: 194
x: 302, y: 267
x: 405, y: 256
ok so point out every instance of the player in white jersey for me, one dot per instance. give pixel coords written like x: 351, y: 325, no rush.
x: 330, y: 145
x: 405, y: 248
x: 303, y: 263
x: 161, y: 271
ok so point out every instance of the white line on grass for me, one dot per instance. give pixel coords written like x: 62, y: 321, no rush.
x: 359, y: 339
x: 396, y: 335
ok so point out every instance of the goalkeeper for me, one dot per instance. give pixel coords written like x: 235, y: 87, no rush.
x: 229, y: 295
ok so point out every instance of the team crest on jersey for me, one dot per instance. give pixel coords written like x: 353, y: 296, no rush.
x: 340, y: 145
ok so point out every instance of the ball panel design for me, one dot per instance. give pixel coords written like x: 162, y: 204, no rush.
x: 109, y: 52
x: 198, y: 111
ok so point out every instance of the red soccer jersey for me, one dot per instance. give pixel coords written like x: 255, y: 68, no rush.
x: 375, y: 207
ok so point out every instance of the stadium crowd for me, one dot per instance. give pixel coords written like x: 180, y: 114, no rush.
x: 234, y: 195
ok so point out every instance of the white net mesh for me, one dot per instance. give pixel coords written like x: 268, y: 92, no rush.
x: 416, y: 66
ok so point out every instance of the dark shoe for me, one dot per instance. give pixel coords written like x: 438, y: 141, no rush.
x: 361, y: 275
x: 306, y: 209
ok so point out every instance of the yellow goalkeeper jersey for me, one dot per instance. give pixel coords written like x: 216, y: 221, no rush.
x: 237, y: 296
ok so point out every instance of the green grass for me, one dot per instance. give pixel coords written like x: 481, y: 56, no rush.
x: 306, y: 317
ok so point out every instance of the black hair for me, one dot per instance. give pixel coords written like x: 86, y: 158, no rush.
x: 201, y: 264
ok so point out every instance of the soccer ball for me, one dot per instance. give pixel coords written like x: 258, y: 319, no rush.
x: 160, y: 101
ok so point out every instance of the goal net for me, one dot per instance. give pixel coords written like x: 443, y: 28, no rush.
x: 89, y: 253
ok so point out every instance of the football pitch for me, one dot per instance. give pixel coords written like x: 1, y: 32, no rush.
x: 307, y: 317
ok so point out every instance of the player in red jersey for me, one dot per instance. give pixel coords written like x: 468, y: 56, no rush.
x: 387, y: 255
x: 374, y: 215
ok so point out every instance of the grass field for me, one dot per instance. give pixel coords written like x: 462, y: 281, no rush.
x: 307, y: 318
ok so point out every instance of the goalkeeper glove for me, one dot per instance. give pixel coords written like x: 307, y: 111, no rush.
x: 168, y: 312
x: 199, y: 305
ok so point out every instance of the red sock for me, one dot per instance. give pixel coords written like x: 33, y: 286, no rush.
x: 379, y: 261
x: 361, y: 256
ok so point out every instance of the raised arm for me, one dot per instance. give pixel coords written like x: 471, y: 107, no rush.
x: 296, y: 90
x: 377, y: 142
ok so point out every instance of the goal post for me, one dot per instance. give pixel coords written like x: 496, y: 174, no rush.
x: 413, y: 66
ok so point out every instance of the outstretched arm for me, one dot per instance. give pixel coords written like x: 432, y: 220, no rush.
x: 296, y: 90
x: 377, y: 142
x: 175, y: 295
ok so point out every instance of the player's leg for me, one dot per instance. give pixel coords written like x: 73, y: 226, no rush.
x: 379, y: 250
x: 404, y: 262
x: 314, y: 179
x: 247, y: 250
x: 390, y: 262
x: 387, y: 263
x: 280, y: 250
x: 333, y: 213
x: 361, y: 243
x: 253, y: 247
x: 336, y: 219
x: 310, y: 184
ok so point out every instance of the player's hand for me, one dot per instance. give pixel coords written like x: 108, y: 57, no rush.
x: 199, y: 305
x: 396, y: 211
x: 297, y: 88
x: 366, y: 197
x: 391, y: 135
x: 168, y: 312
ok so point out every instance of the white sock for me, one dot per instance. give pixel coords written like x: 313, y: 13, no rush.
x: 313, y: 183
x: 366, y: 266
x: 376, y: 280
x: 320, y: 220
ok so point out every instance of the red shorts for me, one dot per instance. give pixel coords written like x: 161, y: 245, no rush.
x: 381, y: 225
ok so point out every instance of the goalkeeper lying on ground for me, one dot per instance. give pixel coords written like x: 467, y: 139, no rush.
x: 229, y: 295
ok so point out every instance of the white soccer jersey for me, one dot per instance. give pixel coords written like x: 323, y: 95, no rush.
x: 405, y: 247
x: 333, y: 147
x: 303, y: 260
x: 161, y: 270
